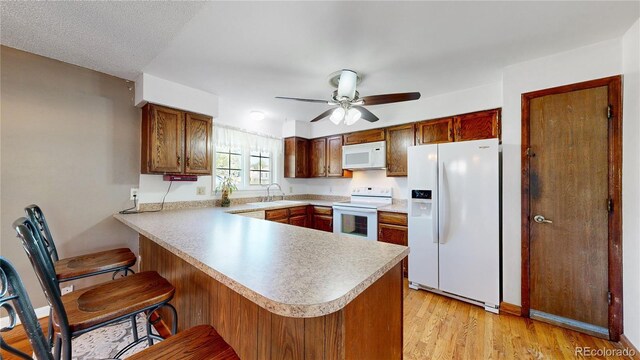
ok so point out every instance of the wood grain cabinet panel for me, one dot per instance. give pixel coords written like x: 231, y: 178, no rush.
x: 162, y: 140
x: 277, y: 214
x: 199, y: 149
x: 296, y: 157
x: 392, y: 228
x: 364, y: 136
x: 175, y: 142
x: 318, y: 160
x: 323, y: 210
x: 434, y: 131
x: 334, y: 157
x: 477, y: 125
x: 299, y: 220
x: 399, y: 138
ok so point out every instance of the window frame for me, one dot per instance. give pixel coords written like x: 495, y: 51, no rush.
x: 260, y: 156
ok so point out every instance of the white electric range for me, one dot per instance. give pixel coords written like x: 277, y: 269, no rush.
x: 358, y: 217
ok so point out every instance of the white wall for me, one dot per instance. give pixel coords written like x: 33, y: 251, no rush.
x: 586, y: 63
x: 159, y: 91
x: 631, y: 183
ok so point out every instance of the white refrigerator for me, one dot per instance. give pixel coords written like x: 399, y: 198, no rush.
x: 454, y: 220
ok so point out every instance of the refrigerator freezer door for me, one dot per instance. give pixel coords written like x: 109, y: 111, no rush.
x: 423, y: 214
x: 469, y: 219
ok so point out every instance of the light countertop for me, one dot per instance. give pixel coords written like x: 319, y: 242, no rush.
x: 288, y: 270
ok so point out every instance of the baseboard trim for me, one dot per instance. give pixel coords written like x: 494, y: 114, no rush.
x: 40, y: 313
x: 510, y: 309
x: 624, y: 341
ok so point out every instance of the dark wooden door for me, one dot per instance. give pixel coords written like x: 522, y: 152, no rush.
x: 323, y: 222
x: 478, y: 125
x: 334, y: 156
x: 568, y: 216
x: 434, y: 131
x: 198, y: 144
x: 166, y: 140
x: 318, y: 163
x: 398, y: 139
x: 296, y: 157
x: 299, y: 220
x: 395, y: 234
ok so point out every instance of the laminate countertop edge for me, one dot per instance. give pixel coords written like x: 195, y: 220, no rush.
x: 277, y: 307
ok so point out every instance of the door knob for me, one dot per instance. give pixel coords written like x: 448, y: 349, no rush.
x: 540, y: 219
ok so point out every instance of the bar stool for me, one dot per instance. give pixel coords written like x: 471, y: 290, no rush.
x: 199, y: 342
x: 77, y: 267
x: 87, y: 309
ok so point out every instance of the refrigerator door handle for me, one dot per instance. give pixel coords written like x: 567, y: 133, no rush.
x: 444, y: 209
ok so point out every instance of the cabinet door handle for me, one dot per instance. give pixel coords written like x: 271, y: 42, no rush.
x: 178, y: 159
x: 187, y: 161
x: 380, y: 234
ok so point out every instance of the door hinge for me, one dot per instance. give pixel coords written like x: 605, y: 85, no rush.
x: 609, y: 205
x: 530, y: 153
x: 609, y: 115
x: 609, y: 297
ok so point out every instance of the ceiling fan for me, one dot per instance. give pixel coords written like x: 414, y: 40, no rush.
x: 348, y: 101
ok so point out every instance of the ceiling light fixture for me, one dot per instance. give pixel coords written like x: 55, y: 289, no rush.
x: 256, y: 115
x: 337, y: 116
x: 353, y: 115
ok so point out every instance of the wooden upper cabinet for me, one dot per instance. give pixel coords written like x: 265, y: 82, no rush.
x: 334, y: 157
x: 399, y: 138
x: 162, y: 140
x: 296, y: 157
x: 364, y: 136
x: 434, y: 131
x: 199, y: 148
x: 477, y: 125
x: 175, y: 142
x: 318, y: 161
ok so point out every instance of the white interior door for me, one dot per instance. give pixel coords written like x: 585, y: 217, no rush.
x: 469, y: 219
x: 423, y: 215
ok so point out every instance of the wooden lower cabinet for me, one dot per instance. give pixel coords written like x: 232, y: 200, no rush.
x: 299, y: 220
x: 392, y: 228
x: 322, y: 218
x: 369, y: 327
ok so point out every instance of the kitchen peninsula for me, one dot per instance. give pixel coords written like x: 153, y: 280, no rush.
x: 273, y: 290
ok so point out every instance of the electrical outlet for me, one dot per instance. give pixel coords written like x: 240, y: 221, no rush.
x: 134, y: 192
x: 66, y: 289
x: 200, y: 190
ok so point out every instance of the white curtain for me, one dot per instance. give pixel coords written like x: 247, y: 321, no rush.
x: 227, y: 136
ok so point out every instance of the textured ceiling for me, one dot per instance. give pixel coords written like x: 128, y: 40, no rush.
x: 114, y: 37
x: 249, y: 52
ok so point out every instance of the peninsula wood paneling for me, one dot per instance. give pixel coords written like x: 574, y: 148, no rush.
x: 369, y: 327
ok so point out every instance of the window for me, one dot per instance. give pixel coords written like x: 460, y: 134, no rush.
x: 229, y: 163
x: 259, y: 168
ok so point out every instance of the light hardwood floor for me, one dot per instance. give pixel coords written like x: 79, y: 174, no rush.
x: 437, y: 327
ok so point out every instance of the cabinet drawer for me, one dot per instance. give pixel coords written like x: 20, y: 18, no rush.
x: 322, y: 210
x: 298, y: 210
x: 282, y: 221
x: 277, y: 214
x: 392, y: 218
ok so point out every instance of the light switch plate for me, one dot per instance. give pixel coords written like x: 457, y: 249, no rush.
x: 201, y: 190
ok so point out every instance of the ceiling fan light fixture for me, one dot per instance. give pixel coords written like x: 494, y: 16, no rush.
x: 337, y: 115
x: 353, y: 115
x: 347, y: 84
x: 256, y: 115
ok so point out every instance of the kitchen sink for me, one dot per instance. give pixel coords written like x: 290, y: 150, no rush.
x: 278, y: 202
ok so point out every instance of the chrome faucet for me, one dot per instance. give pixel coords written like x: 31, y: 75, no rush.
x: 269, y: 196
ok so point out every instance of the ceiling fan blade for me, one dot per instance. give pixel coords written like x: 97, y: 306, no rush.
x: 304, y: 100
x: 323, y: 115
x: 390, y: 98
x: 366, y: 114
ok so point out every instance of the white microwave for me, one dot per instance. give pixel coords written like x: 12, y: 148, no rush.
x: 371, y: 155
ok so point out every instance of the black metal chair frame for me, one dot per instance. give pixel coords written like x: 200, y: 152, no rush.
x: 45, y: 271
x: 35, y: 214
x: 14, y: 299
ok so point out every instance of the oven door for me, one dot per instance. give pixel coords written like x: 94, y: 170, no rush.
x: 356, y: 222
